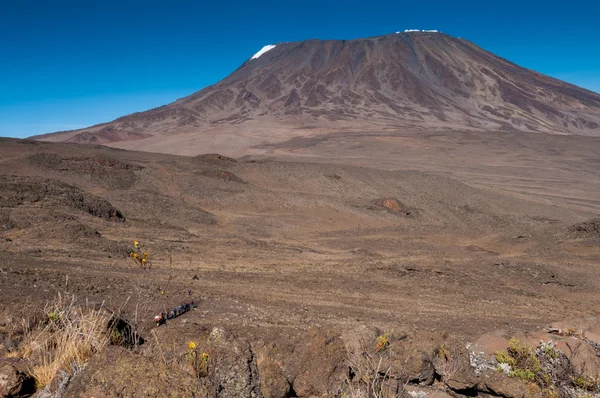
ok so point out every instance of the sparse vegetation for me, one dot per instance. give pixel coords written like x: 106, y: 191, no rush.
x: 116, y: 337
x: 549, y: 350
x: 265, y: 279
x: 382, y: 342
x: 504, y: 357
x: 447, y: 362
x: 72, y: 334
x: 140, y: 256
x: 198, y: 362
x: 587, y: 383
x: 546, y: 367
x: 370, y: 376
x: 521, y: 360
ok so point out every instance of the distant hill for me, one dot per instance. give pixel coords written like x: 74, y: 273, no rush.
x: 405, y: 81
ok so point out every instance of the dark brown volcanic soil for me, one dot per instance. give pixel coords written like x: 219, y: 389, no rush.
x: 406, y: 82
x: 278, y: 247
x: 401, y: 184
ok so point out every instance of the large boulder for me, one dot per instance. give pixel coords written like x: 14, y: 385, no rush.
x: 495, y: 383
x: 273, y: 383
x: 579, y: 340
x: 407, y: 356
x: 487, y: 344
x: 116, y: 369
x: 414, y: 356
x: 583, y: 356
x: 234, y: 371
x: 319, y: 366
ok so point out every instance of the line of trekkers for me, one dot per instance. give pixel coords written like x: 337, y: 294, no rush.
x: 161, y: 318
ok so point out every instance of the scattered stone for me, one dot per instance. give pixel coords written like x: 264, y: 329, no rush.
x: 390, y: 204
x: 479, y: 360
x: 13, y: 381
x: 495, y: 383
x: 552, y: 330
x: 424, y: 392
x: 273, y: 383
x: 221, y: 175
x: 417, y: 394
x: 215, y: 157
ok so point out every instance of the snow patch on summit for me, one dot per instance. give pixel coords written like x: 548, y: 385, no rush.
x: 263, y: 50
x: 423, y: 31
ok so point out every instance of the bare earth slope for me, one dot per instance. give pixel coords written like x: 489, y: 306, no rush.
x: 282, y: 258
x: 325, y: 231
x: 413, y: 81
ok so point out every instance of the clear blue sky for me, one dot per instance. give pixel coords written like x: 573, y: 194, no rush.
x: 70, y: 64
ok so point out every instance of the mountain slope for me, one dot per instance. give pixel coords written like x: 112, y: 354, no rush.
x: 411, y: 80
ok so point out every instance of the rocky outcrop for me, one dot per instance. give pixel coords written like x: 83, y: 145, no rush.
x: 273, y: 383
x: 393, y: 205
x: 590, y: 228
x: 14, y: 380
x: 19, y: 191
x: 318, y: 366
x: 322, y: 362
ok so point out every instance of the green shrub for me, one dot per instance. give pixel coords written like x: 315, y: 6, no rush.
x: 550, y: 351
x: 524, y: 356
x: 585, y: 383
x: 523, y: 374
x: 504, y: 357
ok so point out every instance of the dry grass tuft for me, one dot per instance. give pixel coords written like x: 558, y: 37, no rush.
x: 370, y: 374
x: 66, y: 342
x: 447, y: 362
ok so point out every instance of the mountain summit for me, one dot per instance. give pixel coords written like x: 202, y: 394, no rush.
x: 414, y: 80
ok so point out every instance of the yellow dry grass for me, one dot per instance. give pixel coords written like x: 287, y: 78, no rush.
x: 74, y: 332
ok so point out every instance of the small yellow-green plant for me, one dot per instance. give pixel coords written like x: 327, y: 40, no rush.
x: 546, y: 379
x: 53, y: 316
x: 198, y: 363
x: 522, y: 360
x: 139, y: 255
x: 447, y: 362
x: 523, y: 374
x: 586, y: 383
x: 550, y: 351
x: 116, y: 338
x: 382, y: 342
x: 444, y: 353
x: 504, y: 357
x: 550, y: 393
x: 524, y: 355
